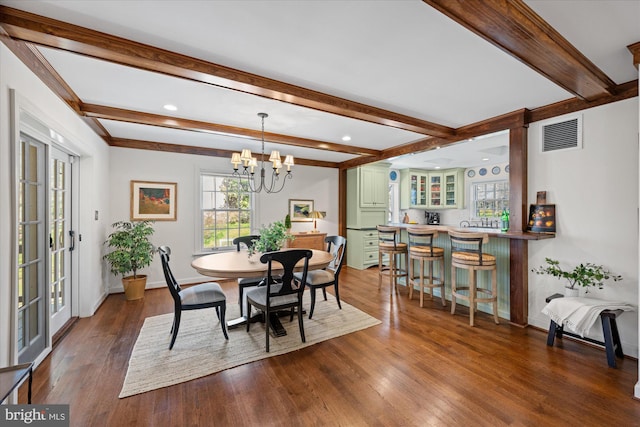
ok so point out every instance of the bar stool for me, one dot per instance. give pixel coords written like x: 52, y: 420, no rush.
x: 466, y: 253
x: 421, y: 249
x: 389, y: 244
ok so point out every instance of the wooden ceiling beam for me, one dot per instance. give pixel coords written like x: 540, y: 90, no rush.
x: 515, y: 28
x: 200, y: 151
x: 122, y: 115
x: 635, y: 51
x: 72, y: 38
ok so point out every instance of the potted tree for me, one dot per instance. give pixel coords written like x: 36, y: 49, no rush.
x: 584, y: 275
x: 131, y: 251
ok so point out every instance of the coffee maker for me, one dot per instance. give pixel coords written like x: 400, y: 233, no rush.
x: 433, y: 218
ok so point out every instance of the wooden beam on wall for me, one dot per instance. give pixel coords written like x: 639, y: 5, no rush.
x: 516, y: 29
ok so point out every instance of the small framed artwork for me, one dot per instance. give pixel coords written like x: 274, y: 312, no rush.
x: 542, y: 218
x: 155, y: 201
x: 300, y: 210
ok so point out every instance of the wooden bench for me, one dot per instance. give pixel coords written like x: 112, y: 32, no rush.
x: 611, y: 343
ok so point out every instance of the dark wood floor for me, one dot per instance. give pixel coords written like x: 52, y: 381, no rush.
x: 419, y: 367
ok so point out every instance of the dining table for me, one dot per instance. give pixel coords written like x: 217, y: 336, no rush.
x: 239, y: 264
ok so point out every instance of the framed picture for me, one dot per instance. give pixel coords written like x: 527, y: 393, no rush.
x: 300, y: 210
x: 154, y: 201
x: 542, y: 218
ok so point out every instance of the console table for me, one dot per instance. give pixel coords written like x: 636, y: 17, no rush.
x: 10, y: 378
x: 308, y: 241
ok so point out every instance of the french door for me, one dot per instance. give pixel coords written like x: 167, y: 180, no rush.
x: 32, y: 246
x: 61, y: 241
x: 44, y: 245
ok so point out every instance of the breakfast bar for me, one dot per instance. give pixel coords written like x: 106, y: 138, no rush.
x: 510, y: 249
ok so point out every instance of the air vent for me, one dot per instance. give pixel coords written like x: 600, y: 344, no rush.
x: 562, y: 135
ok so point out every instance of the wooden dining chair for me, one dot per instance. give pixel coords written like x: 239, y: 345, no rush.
x: 203, y: 295
x: 280, y: 292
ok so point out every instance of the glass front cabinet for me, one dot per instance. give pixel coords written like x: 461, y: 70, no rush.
x: 423, y: 189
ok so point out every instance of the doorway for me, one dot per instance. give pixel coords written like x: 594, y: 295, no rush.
x: 44, y: 245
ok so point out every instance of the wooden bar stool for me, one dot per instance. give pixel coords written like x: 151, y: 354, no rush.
x: 389, y: 244
x: 466, y: 253
x: 421, y: 249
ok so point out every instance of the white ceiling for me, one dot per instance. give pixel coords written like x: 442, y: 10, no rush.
x: 402, y: 56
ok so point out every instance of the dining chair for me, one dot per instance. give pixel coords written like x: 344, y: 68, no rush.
x: 203, y: 295
x: 280, y: 292
x: 321, y: 279
x: 246, y: 282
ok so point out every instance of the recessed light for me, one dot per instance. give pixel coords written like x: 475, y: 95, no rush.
x: 437, y: 167
x: 485, y: 159
x: 170, y: 107
x: 346, y: 138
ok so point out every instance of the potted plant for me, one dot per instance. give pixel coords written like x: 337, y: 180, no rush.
x: 131, y: 251
x: 272, y: 238
x: 585, y: 275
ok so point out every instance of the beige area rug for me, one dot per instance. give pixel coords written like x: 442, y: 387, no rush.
x: 201, y: 349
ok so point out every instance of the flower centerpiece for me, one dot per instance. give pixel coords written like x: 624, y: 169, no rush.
x: 585, y: 275
x: 272, y: 238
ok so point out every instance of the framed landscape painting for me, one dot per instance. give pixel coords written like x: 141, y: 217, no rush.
x: 154, y: 201
x: 300, y: 210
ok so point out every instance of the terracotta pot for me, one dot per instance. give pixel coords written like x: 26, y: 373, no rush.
x: 134, y: 288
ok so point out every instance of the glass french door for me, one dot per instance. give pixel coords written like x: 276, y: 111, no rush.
x: 61, y: 242
x: 31, y: 250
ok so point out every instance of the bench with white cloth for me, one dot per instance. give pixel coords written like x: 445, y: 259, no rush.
x: 579, y: 314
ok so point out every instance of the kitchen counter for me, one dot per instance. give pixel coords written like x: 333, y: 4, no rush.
x: 511, y: 250
x: 492, y: 232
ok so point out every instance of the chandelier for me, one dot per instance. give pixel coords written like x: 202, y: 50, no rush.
x: 250, y: 163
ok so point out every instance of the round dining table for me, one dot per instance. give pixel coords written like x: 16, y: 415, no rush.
x: 238, y: 264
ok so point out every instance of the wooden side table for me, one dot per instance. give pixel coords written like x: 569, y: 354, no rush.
x: 308, y: 241
x: 612, y: 344
x: 11, y: 376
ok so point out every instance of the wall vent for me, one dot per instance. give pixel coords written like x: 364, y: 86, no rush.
x: 563, y: 135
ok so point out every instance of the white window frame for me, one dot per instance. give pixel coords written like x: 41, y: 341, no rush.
x: 500, y: 202
x: 201, y: 209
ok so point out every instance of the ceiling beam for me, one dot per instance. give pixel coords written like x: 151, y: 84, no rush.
x: 72, y: 38
x: 635, y: 51
x: 201, y: 151
x: 516, y: 29
x: 122, y: 115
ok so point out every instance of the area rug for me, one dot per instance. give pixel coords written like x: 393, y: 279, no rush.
x: 200, y: 348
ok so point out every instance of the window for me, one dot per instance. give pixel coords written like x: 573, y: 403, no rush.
x: 489, y: 199
x: 225, y: 211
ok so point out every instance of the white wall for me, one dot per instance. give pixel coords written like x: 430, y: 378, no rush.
x: 308, y: 183
x: 38, y: 100
x: 595, y: 190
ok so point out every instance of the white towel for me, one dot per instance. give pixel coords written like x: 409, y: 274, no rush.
x: 579, y: 314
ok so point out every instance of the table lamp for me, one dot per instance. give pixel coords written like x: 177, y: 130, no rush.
x: 316, y: 215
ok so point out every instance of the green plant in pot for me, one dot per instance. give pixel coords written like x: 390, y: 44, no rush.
x: 583, y: 275
x: 287, y: 222
x: 272, y: 238
x: 131, y: 251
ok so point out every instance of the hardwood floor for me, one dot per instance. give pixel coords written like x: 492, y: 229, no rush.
x: 420, y: 367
